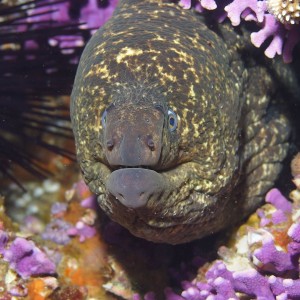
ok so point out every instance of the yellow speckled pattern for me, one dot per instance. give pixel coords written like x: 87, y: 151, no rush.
x: 227, y: 149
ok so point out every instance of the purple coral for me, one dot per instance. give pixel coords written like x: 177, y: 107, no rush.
x: 57, y: 232
x: 273, y: 270
x: 91, y: 16
x: 282, y: 205
x: 275, y: 197
x: 90, y: 13
x: 82, y: 230
x: 294, y: 245
x: 252, y: 283
x: 27, y: 259
x: 279, y: 20
x: 271, y: 28
x: 285, y: 288
x: 285, y: 35
x: 244, y: 8
x: 223, y: 284
x: 269, y: 258
x: 60, y: 231
x: 3, y: 240
x: 207, y: 4
x: 90, y: 202
x: 294, y: 232
x: 284, y: 38
x: 58, y: 208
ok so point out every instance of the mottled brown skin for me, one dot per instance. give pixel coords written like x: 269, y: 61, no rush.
x: 165, y: 184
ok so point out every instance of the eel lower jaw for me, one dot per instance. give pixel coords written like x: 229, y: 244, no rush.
x: 133, y: 187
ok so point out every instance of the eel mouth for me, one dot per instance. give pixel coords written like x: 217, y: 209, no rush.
x: 134, y: 186
x: 143, y: 201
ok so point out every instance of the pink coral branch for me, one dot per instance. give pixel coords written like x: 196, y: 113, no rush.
x: 237, y: 8
x: 271, y: 28
x: 208, y: 4
x: 185, y: 4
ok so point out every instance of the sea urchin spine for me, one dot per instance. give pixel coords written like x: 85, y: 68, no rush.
x: 34, y: 73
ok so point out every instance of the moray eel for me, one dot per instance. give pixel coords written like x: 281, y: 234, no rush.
x: 174, y: 122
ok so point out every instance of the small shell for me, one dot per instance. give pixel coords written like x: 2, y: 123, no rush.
x: 286, y: 11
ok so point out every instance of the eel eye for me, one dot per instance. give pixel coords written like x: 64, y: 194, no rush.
x: 172, y: 120
x: 103, y: 118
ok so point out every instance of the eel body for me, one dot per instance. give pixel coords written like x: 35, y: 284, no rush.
x: 174, y: 122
